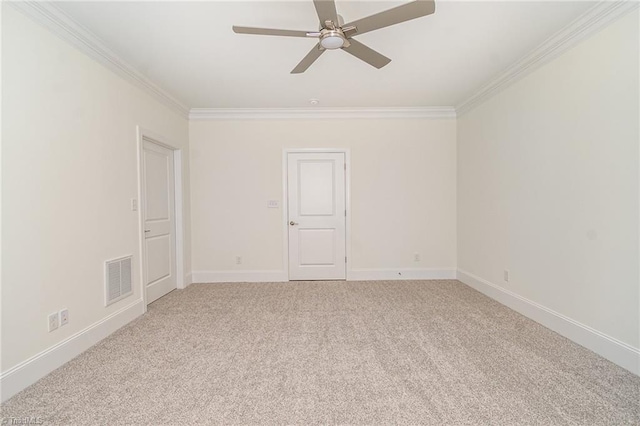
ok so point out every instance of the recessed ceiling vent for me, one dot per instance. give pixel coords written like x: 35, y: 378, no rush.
x: 117, y: 280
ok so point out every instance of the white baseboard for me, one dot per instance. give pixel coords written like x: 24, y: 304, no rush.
x: 401, y: 274
x: 608, y: 347
x: 188, y: 280
x: 352, y: 275
x: 239, y: 276
x: 33, y: 369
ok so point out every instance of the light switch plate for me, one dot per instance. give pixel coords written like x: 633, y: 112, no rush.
x: 53, y: 321
x: 273, y: 204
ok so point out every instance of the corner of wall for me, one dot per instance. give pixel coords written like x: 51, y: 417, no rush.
x: 31, y: 370
x: 606, y: 346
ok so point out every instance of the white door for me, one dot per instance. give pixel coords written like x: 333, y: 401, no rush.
x: 317, y: 216
x: 158, y: 207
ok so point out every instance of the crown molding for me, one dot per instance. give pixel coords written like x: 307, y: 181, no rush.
x: 54, y: 19
x: 594, y: 19
x: 602, y: 14
x: 319, y: 113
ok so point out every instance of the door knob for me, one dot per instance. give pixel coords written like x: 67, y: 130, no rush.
x: 292, y: 223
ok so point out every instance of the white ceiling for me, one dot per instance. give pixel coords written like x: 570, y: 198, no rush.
x: 189, y: 49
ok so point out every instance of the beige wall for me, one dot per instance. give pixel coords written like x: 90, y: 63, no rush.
x: 402, y: 190
x: 69, y: 170
x: 548, y: 185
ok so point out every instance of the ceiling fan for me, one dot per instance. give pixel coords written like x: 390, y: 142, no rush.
x: 334, y: 34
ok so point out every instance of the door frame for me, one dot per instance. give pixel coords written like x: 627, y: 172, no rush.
x: 150, y: 136
x: 285, y: 202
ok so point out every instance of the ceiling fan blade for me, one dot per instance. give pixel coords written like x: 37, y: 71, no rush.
x: 308, y: 60
x: 269, y: 31
x: 367, y: 54
x: 326, y: 11
x: 405, y: 12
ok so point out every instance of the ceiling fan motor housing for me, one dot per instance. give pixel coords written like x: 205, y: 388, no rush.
x: 337, y: 24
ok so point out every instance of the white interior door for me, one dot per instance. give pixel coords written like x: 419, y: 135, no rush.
x: 316, y: 216
x: 158, y: 206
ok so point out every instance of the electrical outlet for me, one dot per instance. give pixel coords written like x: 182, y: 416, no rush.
x: 54, y: 321
x: 64, y: 317
x: 506, y: 275
x: 238, y: 260
x: 416, y: 257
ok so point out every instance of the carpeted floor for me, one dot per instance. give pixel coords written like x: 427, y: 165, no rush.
x: 385, y: 352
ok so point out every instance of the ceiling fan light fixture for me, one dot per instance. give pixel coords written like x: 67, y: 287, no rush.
x: 332, y: 40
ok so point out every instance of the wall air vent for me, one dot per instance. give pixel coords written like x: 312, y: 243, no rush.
x: 117, y: 280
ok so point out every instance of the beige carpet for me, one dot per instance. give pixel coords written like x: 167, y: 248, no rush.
x: 394, y: 352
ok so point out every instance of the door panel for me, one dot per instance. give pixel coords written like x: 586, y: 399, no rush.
x: 159, y: 251
x: 157, y: 185
x: 317, y: 222
x: 317, y: 188
x: 159, y: 220
x: 317, y: 246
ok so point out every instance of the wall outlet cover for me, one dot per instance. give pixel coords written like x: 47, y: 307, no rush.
x: 64, y: 317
